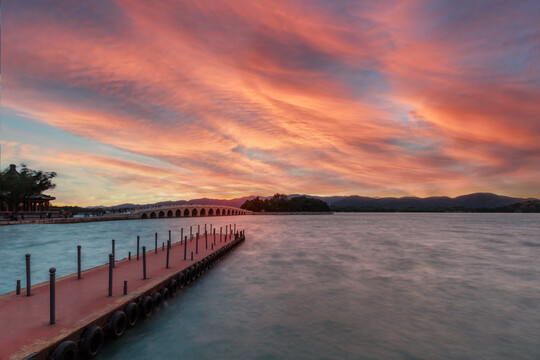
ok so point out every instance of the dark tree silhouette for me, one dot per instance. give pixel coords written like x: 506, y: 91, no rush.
x: 280, y: 203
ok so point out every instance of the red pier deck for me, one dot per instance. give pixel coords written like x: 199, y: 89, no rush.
x: 79, y: 303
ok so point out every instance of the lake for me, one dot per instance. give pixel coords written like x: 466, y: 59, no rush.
x: 342, y: 286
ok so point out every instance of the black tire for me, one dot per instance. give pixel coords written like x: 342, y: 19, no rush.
x: 193, y: 272
x: 117, y: 324
x: 165, y: 294
x: 157, y: 300
x: 132, y: 314
x: 67, y: 350
x: 198, y: 269
x: 92, y: 341
x: 181, y: 278
x: 173, y: 287
x: 147, y: 306
x: 187, y: 274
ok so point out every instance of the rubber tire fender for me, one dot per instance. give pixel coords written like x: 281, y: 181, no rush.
x: 165, y: 294
x: 92, y: 341
x: 117, y: 324
x: 147, y: 306
x: 187, y: 274
x: 181, y: 278
x: 132, y: 314
x: 66, y: 350
x: 157, y: 299
x: 173, y: 287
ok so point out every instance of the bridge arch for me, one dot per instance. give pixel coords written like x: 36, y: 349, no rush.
x: 218, y: 212
x: 178, y: 213
x: 144, y: 216
x: 211, y: 212
x: 161, y: 214
x: 203, y: 212
x: 186, y: 212
x: 194, y: 212
x: 169, y: 214
x: 229, y: 212
x: 153, y: 215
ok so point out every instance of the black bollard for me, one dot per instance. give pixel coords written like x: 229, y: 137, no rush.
x: 190, y: 233
x: 169, y: 235
x: 155, y: 251
x: 214, y: 236
x: 144, y: 262
x: 212, y: 246
x: 226, y: 231
x: 129, y: 256
x: 181, y: 235
x: 197, y: 244
x: 168, y: 250
x: 220, y: 228
x: 18, y: 288
x: 137, y: 247
x: 28, y: 281
x: 162, y: 246
x: 185, y: 247
x: 204, y: 227
x: 125, y: 287
x: 78, y: 261
x: 192, y: 255
x: 52, y: 297
x: 113, y: 253
x: 234, y: 227
x: 206, y: 239
x: 198, y: 229
x: 111, y: 265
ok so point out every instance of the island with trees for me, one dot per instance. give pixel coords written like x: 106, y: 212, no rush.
x: 280, y: 203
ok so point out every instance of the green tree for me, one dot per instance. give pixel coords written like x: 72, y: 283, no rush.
x: 15, y: 185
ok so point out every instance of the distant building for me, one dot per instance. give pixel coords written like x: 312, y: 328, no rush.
x: 36, y: 202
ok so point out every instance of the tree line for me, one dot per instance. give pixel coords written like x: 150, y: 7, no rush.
x: 280, y: 203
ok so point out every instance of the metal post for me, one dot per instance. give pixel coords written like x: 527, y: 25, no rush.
x: 138, y: 247
x: 168, y: 250
x: 214, y: 236
x: 192, y: 255
x: 155, y: 251
x: 226, y: 231
x: 18, y: 289
x: 181, y: 235
x: 185, y: 247
x: 197, y: 244
x: 113, y: 253
x: 198, y: 229
x: 162, y: 246
x: 206, y: 239
x: 169, y: 235
x: 52, y: 298
x: 28, y: 281
x: 125, y: 287
x: 111, y: 265
x: 78, y: 261
x: 190, y: 233
x: 204, y: 227
x: 144, y: 261
x: 220, y: 228
x: 129, y: 256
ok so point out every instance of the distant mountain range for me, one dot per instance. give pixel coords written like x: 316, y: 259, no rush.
x: 471, y: 202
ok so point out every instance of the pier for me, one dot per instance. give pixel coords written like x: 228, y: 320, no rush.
x: 75, y: 315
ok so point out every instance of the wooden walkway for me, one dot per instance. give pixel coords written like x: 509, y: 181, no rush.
x: 80, y: 302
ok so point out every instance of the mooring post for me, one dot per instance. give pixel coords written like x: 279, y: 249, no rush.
x: 144, y: 262
x: 214, y: 235
x: 220, y: 228
x: 210, y: 228
x: 155, y: 251
x: 168, y: 250
x: 169, y: 235
x: 125, y: 287
x: 181, y: 235
x: 206, y: 239
x: 192, y: 255
x: 129, y: 255
x: 204, y: 227
x: 212, y: 246
x: 18, y: 288
x: 78, y: 261
x: 111, y: 265
x: 234, y: 227
x: 28, y: 281
x: 197, y: 244
x: 162, y: 246
x: 52, y: 297
x: 198, y: 229
x: 226, y: 231
x: 138, y: 239
x: 185, y: 247
x: 113, y: 253
x: 190, y: 232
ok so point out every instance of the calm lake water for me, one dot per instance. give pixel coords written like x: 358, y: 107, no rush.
x: 343, y: 286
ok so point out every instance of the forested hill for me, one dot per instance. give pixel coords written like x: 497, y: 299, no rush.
x: 282, y: 203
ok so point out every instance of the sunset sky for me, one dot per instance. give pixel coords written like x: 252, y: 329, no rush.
x: 141, y: 101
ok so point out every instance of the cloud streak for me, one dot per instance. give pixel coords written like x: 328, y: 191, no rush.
x: 392, y: 98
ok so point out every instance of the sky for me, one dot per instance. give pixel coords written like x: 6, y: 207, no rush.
x: 144, y: 101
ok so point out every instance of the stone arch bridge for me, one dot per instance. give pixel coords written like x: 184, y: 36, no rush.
x: 186, y: 211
